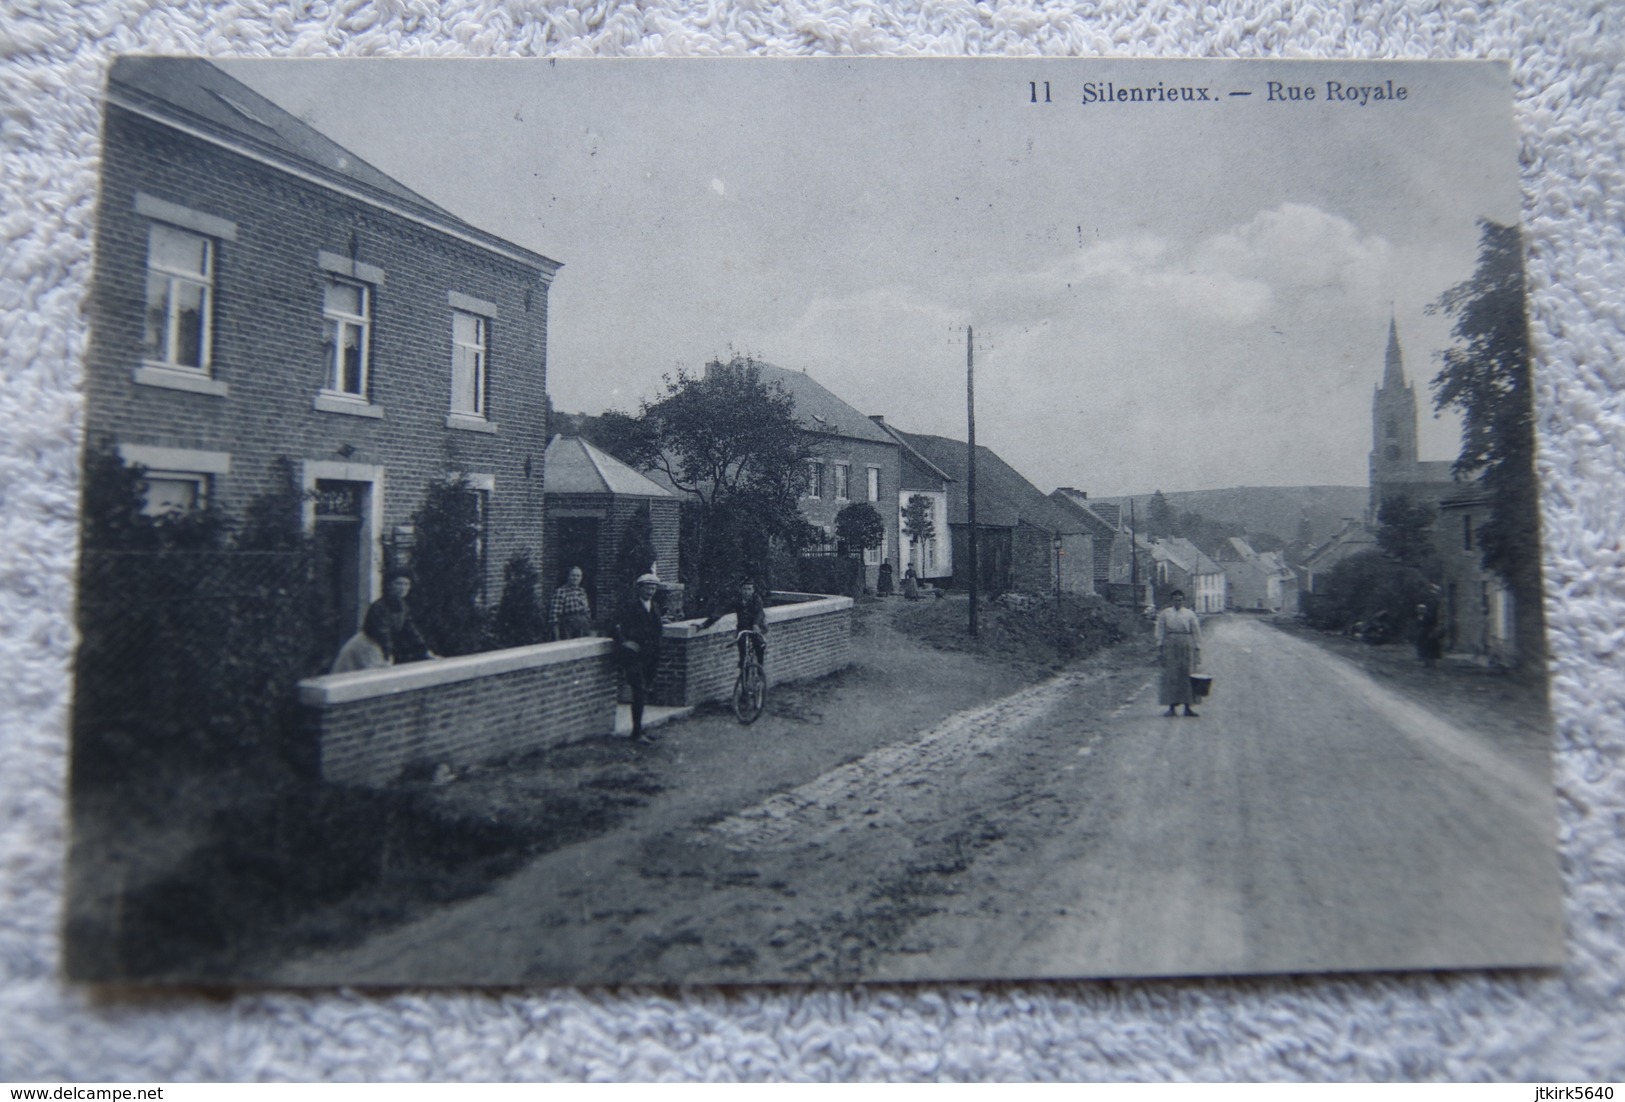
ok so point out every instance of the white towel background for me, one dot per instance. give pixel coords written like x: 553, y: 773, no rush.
x: 1548, y: 1027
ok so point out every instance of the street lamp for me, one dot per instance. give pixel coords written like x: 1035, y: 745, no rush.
x: 1056, y: 544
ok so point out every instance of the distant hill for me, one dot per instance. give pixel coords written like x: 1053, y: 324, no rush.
x: 1272, y: 509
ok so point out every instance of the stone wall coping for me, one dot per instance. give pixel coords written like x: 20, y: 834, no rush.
x: 813, y: 605
x: 346, y: 688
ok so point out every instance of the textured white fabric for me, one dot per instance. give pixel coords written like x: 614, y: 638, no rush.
x: 1567, y: 1026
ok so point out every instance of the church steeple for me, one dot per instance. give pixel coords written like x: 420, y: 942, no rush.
x: 1393, y: 425
x: 1393, y: 372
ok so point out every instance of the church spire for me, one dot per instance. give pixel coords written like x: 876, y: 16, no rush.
x: 1393, y: 372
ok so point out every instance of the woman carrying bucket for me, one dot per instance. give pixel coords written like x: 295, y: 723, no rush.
x: 1179, y: 647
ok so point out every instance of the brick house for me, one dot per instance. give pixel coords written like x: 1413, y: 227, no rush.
x: 266, y: 302
x: 854, y: 460
x: 592, y: 502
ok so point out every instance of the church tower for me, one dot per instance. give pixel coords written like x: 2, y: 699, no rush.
x: 1393, y: 425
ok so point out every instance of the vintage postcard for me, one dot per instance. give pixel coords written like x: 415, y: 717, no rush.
x: 731, y: 521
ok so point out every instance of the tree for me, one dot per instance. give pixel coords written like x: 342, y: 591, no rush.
x: 1159, y: 518
x: 448, y: 561
x: 859, y: 527
x: 917, y: 522
x: 633, y: 440
x: 732, y: 442
x: 1486, y: 378
x: 1405, y: 531
x: 519, y: 620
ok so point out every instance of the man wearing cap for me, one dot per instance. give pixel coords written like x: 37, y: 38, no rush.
x: 637, y: 632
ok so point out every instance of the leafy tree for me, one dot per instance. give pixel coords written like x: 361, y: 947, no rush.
x: 859, y: 527
x: 917, y: 523
x: 1405, y: 531
x: 732, y: 442
x: 1486, y: 378
x: 635, y: 441
x: 1371, y: 589
x: 449, y: 568
x: 1159, y: 518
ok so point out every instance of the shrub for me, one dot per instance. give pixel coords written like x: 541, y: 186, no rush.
x: 519, y: 620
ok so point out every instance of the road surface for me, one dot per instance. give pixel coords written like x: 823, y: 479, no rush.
x: 1309, y: 820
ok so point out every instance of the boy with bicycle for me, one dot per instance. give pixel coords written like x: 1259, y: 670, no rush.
x: 749, y: 615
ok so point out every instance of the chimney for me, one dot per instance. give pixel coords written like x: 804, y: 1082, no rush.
x: 878, y: 419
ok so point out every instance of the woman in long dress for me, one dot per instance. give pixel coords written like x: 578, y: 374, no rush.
x: 1179, y: 646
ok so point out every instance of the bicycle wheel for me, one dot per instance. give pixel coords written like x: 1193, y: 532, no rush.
x: 750, y: 693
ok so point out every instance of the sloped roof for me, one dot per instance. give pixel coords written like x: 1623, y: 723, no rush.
x: 573, y: 466
x: 817, y: 408
x: 1105, y: 535
x: 195, y: 95
x: 1003, y: 497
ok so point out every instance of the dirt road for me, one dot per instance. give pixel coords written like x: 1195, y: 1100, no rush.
x: 1310, y: 819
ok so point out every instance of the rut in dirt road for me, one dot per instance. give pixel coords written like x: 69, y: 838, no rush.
x: 877, y: 788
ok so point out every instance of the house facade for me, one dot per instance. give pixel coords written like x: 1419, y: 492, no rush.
x: 1025, y: 542
x: 595, y: 505
x: 267, y: 305
x: 1257, y: 581
x: 854, y: 460
x: 1180, y: 564
x: 931, y: 556
x: 1102, y: 522
x: 1479, y: 612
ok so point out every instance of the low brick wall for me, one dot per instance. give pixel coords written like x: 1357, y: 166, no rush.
x: 372, y: 724
x: 808, y: 639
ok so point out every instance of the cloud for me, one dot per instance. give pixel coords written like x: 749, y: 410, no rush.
x: 1242, y: 357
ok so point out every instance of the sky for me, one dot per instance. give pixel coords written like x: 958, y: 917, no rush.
x: 1167, y: 295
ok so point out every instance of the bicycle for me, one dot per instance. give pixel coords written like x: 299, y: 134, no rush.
x: 750, y: 687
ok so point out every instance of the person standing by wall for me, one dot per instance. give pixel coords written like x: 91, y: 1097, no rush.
x: 389, y: 622
x: 1179, y: 648
x: 637, y: 634
x: 570, y: 612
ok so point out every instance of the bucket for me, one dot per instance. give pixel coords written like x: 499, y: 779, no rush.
x: 1201, y: 685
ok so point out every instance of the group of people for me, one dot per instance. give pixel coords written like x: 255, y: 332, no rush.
x: 389, y: 635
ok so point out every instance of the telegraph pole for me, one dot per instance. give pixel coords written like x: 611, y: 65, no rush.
x: 970, y: 447
x: 1133, y: 560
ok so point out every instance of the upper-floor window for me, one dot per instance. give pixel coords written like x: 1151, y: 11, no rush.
x: 180, y: 286
x: 1467, y: 531
x: 815, y: 478
x: 843, y: 480
x: 346, y: 333
x: 874, y: 483
x: 470, y: 348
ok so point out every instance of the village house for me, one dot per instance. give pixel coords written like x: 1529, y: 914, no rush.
x: 596, y: 509
x: 932, y: 556
x: 1103, y: 523
x: 1257, y: 581
x: 1179, y: 564
x: 268, y: 304
x: 1025, y: 542
x: 854, y: 460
